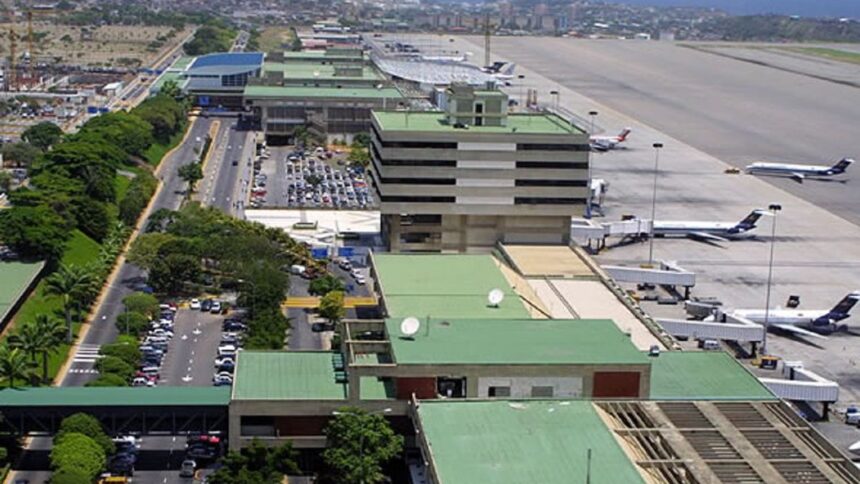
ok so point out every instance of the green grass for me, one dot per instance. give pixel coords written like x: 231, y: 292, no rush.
x: 156, y: 151
x: 121, y: 184
x: 827, y: 53
x: 275, y: 39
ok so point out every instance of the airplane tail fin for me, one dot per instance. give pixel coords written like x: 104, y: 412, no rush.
x: 750, y: 220
x: 622, y: 136
x: 842, y: 165
x: 840, y: 311
x: 508, y: 69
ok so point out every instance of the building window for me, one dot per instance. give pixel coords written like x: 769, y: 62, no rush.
x: 548, y: 201
x: 420, y: 238
x: 551, y: 183
x: 406, y: 220
x: 542, y: 392
x: 551, y: 147
x: 418, y: 181
x: 418, y: 144
x: 499, y: 392
x: 563, y: 165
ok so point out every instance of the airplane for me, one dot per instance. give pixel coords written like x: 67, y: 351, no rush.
x: 606, y: 143
x: 793, y: 320
x: 708, y: 231
x: 502, y: 71
x: 799, y: 172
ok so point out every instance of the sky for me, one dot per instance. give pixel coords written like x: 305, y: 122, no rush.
x: 807, y: 8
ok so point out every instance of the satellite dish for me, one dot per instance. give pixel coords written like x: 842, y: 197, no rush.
x: 409, y: 327
x: 495, y: 297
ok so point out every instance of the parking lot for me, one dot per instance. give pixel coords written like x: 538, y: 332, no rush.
x: 293, y: 178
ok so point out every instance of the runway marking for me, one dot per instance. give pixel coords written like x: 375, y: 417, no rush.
x: 88, y: 371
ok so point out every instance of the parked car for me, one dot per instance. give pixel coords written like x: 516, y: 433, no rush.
x: 220, y: 380
x: 187, y: 468
x: 206, y: 305
x: 216, y: 307
x: 225, y: 350
x: 195, y: 303
x: 224, y: 359
x: 320, y: 327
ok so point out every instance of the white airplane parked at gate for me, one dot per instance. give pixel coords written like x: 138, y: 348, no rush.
x: 709, y: 231
x: 606, y: 143
x: 799, y: 172
x: 502, y: 71
x: 817, y: 321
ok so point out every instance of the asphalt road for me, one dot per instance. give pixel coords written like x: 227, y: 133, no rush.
x: 102, y: 329
x: 191, y: 351
x: 737, y: 111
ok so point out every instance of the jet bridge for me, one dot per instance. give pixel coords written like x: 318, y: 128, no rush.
x: 803, y: 385
x: 733, y: 329
x: 669, y: 274
x: 593, y: 235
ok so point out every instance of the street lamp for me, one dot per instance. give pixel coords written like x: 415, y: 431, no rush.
x: 588, y: 201
x: 657, y: 147
x: 521, y: 78
x: 773, y: 208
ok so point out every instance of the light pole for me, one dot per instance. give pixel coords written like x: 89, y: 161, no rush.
x: 588, y: 201
x: 361, y: 436
x: 774, y: 208
x: 657, y: 147
x: 555, y: 94
x: 521, y: 78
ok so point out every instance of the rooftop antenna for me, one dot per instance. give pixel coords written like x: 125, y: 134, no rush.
x: 409, y: 326
x: 495, y: 297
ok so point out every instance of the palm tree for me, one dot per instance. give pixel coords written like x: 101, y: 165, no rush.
x: 14, y: 365
x: 71, y: 283
x: 41, y: 337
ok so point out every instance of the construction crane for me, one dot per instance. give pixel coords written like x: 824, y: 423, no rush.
x: 488, y: 32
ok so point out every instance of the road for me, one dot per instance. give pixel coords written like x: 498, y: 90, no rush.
x: 736, y: 111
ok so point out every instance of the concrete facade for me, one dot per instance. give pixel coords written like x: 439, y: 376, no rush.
x: 462, y: 180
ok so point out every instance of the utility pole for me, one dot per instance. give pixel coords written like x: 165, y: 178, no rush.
x: 657, y: 147
x: 487, y: 35
x: 774, y: 208
x: 589, y: 200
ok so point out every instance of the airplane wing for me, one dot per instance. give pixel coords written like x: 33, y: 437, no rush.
x: 707, y: 237
x: 599, y: 146
x: 798, y: 177
x: 796, y: 330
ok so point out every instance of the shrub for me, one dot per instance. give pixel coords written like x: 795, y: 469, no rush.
x: 79, y: 452
x: 70, y: 475
x: 112, y: 364
x: 85, y: 424
x: 128, y: 353
x: 108, y: 380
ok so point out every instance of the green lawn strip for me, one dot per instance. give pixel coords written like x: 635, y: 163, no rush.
x: 80, y: 250
x: 156, y: 151
x: 121, y: 183
x: 828, y: 53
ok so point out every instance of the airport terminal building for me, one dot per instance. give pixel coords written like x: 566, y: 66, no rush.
x: 472, y: 174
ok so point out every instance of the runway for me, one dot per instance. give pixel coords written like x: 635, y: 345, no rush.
x: 736, y: 111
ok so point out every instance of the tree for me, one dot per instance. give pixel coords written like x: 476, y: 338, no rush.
x: 131, y: 133
x: 92, y: 217
x: 257, y: 464
x: 39, y: 338
x: 191, y: 173
x: 42, y: 135
x: 85, y: 424
x: 137, y: 197
x: 171, y: 89
x: 169, y: 274
x: 23, y: 154
x: 70, y: 475
x: 331, y: 306
x: 14, y: 365
x: 357, y: 444
x: 325, y: 284
x: 143, y: 303
x: 359, y: 154
x: 80, y: 452
x: 165, y: 114
x: 115, y: 366
x: 5, y: 181
x: 145, y: 249
x: 34, y: 231
x: 128, y: 353
x: 71, y: 283
x: 107, y: 380
x: 362, y: 140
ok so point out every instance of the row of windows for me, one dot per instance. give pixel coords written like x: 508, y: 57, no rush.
x: 551, y: 183
x: 419, y: 181
x: 561, y: 165
x: 551, y: 147
x: 388, y: 162
x: 417, y: 199
x: 548, y: 201
x: 286, y: 112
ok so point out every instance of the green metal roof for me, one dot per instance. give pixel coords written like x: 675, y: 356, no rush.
x: 514, y: 342
x: 703, y: 375
x: 373, y: 388
x: 115, y: 396
x: 305, y: 71
x: 287, y: 375
x: 444, y: 286
x: 507, y: 442
x: 322, y: 92
x: 436, y: 121
x: 15, y: 277
x: 182, y: 62
x: 320, y: 55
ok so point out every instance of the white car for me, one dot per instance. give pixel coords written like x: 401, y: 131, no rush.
x: 195, y: 304
x: 223, y: 360
x: 226, y: 350
x: 161, y: 332
x: 359, y: 279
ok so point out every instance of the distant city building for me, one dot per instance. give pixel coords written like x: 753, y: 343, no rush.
x: 462, y: 179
